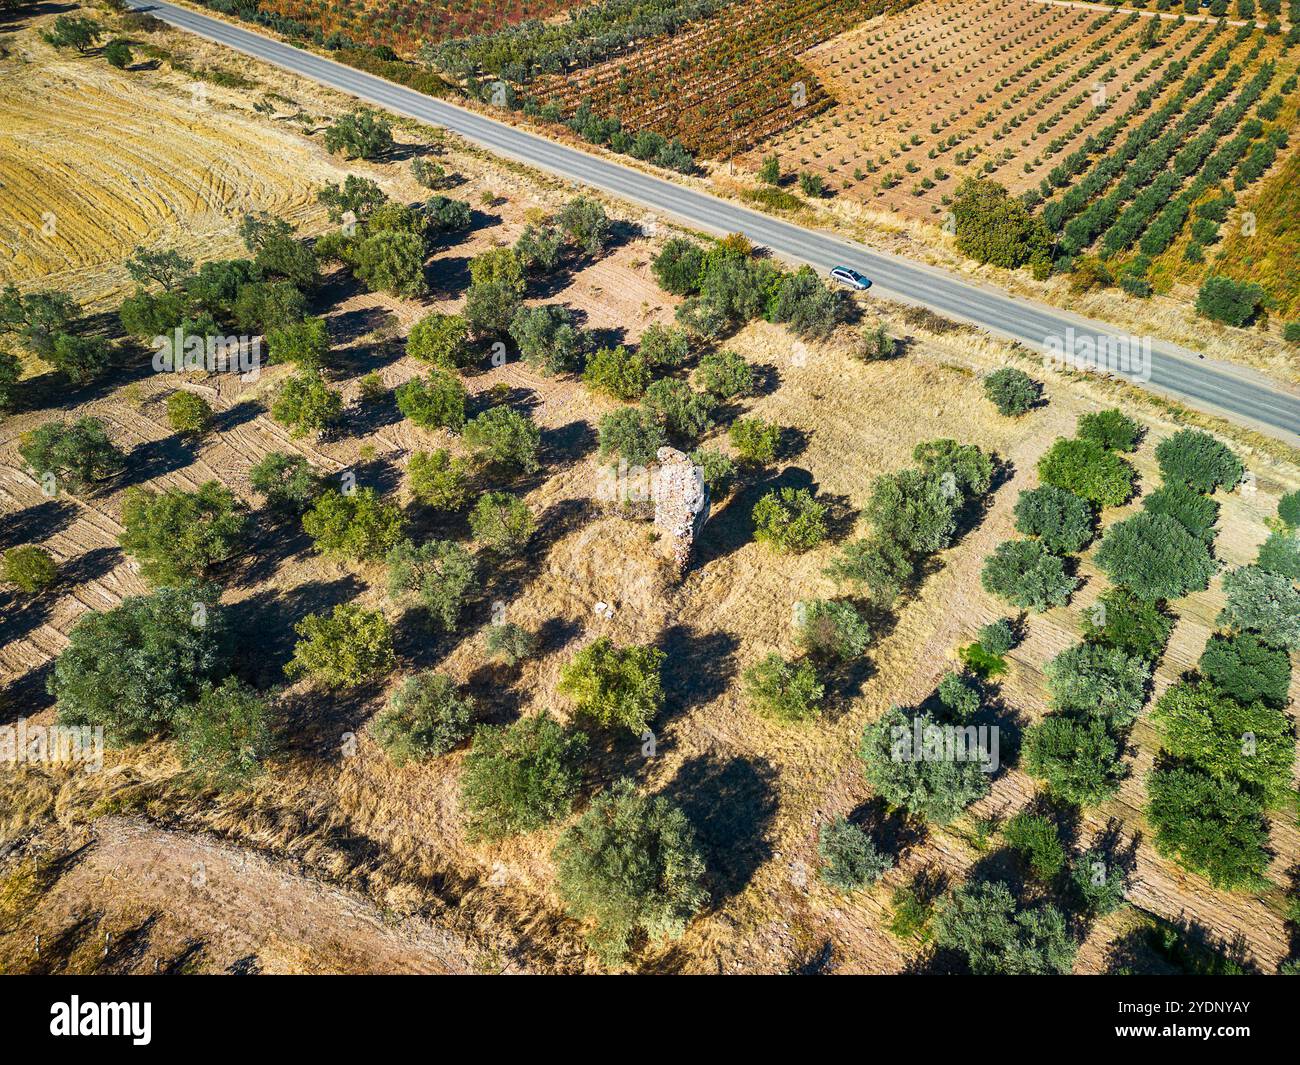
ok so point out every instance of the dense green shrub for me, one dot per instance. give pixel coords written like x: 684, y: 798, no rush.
x: 970, y: 469
x: 1013, y: 392
x: 439, y: 479
x: 502, y: 521
x: 548, y: 339
x: 1087, y: 469
x: 1026, y: 574
x: 30, y: 569
x: 1229, y: 301
x: 915, y: 509
x: 1196, y: 513
x: 618, y: 372
x: 678, y: 265
x: 176, y: 535
x: 1063, y: 521
x: 355, y: 525
x: 304, y: 343
x: 997, y: 637
x: 288, y: 483
x: 716, y: 468
x: 981, y: 922
x: 1098, y: 883
x: 615, y: 686
x: 426, y: 717
x: 684, y: 413
x: 850, y: 860
x: 960, y: 696
x: 631, y: 866
x: 1209, y: 826
x: 521, y: 777
x: 1249, y: 743
x: 725, y: 375
x: 350, y: 646
x: 789, y: 519
x: 663, y: 349
x: 1267, y: 603
x: 992, y: 227
x: 188, y: 412
x: 441, y: 339
x: 1078, y: 758
x: 880, y: 565
x: 1198, y: 459
x: 225, y: 736
x: 306, y: 405
x: 1112, y: 429
x: 831, y: 629
x: 1156, y: 557
x: 789, y: 691
x: 1247, y: 669
x: 76, y: 455
x: 131, y: 669
x: 509, y: 642
x: 804, y: 302
x: 1136, y: 626
x: 936, y: 788
x: 1288, y: 509
x: 1280, y: 554
x: 438, y: 403
x: 1101, y: 682
x: 755, y: 440
x: 362, y: 134
x: 631, y: 434
x: 441, y: 575
x: 504, y: 438
x: 80, y: 359
x: 1035, y: 839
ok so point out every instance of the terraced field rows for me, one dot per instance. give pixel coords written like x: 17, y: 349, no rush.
x: 724, y: 84
x: 92, y: 166
x: 928, y: 96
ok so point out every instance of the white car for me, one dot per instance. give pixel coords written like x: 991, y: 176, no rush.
x: 845, y: 276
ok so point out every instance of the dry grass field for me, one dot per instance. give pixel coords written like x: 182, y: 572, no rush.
x: 336, y: 860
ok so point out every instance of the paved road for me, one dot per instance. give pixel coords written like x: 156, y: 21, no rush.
x: 1241, y: 394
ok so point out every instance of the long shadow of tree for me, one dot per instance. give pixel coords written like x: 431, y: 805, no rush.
x: 263, y: 624
x: 35, y: 523
x: 731, y: 803
x: 698, y: 668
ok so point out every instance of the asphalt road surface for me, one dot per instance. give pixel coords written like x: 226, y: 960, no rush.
x: 1241, y: 394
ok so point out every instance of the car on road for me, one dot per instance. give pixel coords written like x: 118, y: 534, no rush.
x: 845, y: 275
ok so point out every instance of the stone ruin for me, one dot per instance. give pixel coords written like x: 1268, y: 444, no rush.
x: 681, y: 504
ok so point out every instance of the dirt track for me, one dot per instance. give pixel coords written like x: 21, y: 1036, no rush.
x: 165, y: 891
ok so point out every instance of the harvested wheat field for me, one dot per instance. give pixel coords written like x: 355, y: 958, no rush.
x: 335, y: 856
x: 94, y: 162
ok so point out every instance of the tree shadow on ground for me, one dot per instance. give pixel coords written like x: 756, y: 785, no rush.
x: 698, y: 668
x: 316, y: 723
x: 21, y: 614
x: 36, y: 523
x: 1179, y: 947
x: 26, y: 695
x: 732, y: 803
x: 347, y: 327
x: 156, y: 458
x: 894, y: 832
x: 89, y: 566
x: 567, y: 443
x: 263, y: 624
x: 370, y: 415
x: 730, y: 529
x: 273, y: 543
x: 233, y: 417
